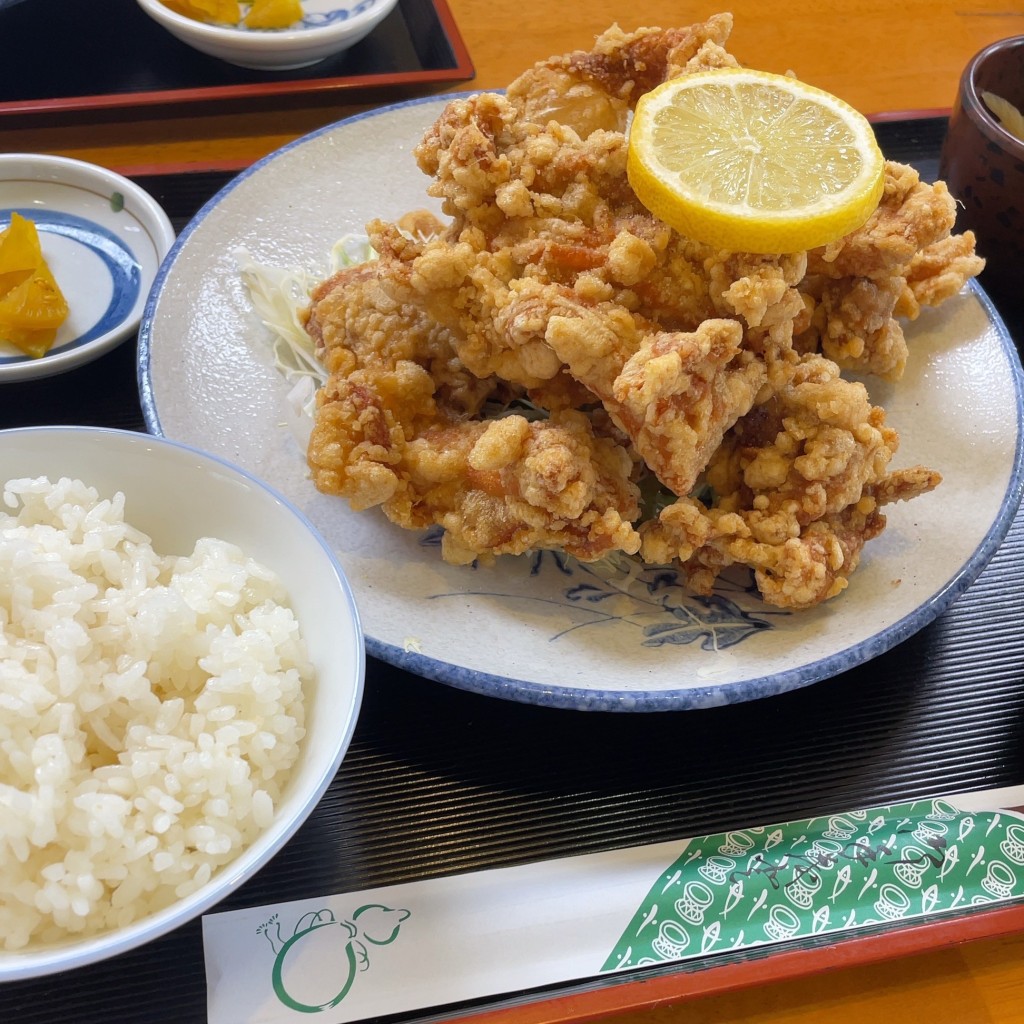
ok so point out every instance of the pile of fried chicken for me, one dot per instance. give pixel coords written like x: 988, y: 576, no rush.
x: 555, y: 368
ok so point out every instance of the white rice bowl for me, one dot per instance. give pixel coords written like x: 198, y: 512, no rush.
x: 180, y: 674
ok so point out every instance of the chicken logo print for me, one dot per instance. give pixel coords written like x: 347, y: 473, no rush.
x: 370, y: 925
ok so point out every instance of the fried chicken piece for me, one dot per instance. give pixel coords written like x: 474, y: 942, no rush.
x: 360, y: 430
x: 760, y: 289
x: 357, y: 325
x: 673, y: 394
x: 902, y: 258
x: 798, y: 483
x: 910, y: 216
x: 594, y: 89
x: 505, y: 486
x: 806, y: 452
x: 496, y: 173
x: 859, y: 329
x: 798, y: 573
x: 937, y: 273
x: 524, y: 486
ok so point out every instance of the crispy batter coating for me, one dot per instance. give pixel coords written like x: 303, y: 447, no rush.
x: 503, y: 486
x: 357, y: 325
x: 903, y: 258
x: 673, y: 394
x: 513, y: 373
x: 798, y: 483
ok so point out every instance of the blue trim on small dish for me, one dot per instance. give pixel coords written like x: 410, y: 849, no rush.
x: 317, y: 20
x: 527, y: 692
x: 320, y: 20
x: 125, y: 270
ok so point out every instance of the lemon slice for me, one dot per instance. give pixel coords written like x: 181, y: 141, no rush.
x: 753, y: 162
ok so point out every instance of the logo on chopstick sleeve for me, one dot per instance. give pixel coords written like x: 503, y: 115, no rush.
x: 881, y: 866
x: 347, y: 943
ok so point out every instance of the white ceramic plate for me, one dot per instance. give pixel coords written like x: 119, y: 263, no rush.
x: 103, y: 237
x: 544, y: 630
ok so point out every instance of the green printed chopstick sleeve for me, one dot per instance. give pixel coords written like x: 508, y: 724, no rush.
x: 765, y: 885
x: 436, y: 942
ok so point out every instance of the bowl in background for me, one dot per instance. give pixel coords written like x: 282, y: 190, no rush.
x: 103, y: 237
x: 327, y: 28
x: 178, y: 494
x: 982, y: 163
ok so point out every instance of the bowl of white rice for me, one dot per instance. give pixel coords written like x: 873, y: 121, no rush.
x: 181, y: 668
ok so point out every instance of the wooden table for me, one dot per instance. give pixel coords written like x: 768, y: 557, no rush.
x: 880, y: 55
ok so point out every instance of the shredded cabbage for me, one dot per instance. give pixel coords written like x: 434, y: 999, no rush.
x: 281, y: 299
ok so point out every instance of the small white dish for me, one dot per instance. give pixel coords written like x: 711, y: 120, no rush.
x: 546, y: 629
x: 176, y: 495
x: 104, y: 239
x: 327, y: 28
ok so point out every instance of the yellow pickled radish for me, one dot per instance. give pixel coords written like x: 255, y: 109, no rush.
x: 261, y: 14
x: 20, y: 252
x: 1009, y: 116
x: 34, y: 343
x: 32, y: 306
x: 227, y: 12
x: 750, y: 161
x: 273, y: 13
x: 35, y: 303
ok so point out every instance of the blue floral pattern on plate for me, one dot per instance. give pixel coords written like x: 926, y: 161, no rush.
x: 653, y: 599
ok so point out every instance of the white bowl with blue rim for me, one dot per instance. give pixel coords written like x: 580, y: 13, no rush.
x: 327, y: 27
x: 104, y: 239
x: 177, y: 494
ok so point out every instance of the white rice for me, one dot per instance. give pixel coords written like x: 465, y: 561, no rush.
x: 150, y: 711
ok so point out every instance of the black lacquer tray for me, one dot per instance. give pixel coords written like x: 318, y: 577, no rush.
x: 61, y: 56
x: 439, y: 780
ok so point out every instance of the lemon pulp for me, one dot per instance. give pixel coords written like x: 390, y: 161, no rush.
x: 752, y: 161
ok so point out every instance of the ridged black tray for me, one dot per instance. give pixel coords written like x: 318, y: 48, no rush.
x: 439, y: 780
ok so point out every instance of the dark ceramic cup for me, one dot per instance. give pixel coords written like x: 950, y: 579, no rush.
x: 983, y: 165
